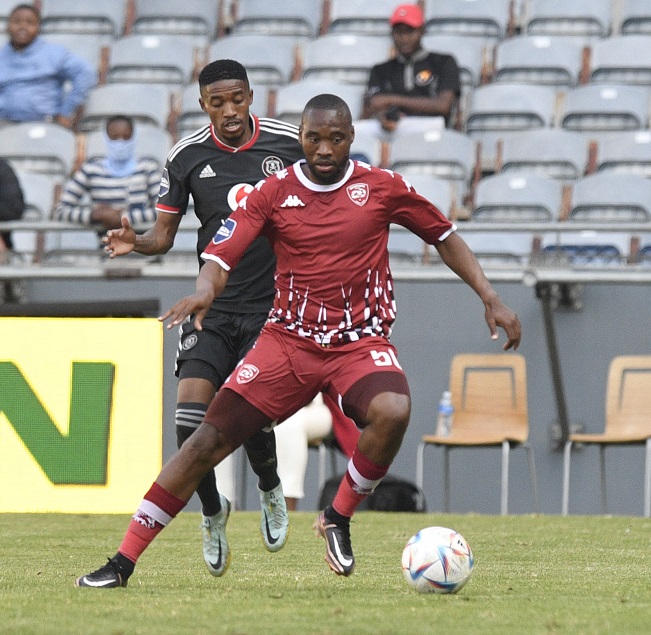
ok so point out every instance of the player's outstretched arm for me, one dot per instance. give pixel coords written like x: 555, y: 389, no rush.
x: 211, y: 281
x: 457, y: 256
x: 157, y: 240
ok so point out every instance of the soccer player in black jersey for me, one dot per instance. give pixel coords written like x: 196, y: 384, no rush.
x: 218, y: 165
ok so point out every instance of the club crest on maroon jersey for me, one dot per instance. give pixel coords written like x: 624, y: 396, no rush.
x: 358, y: 193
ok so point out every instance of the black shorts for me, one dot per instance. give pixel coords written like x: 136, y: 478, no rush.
x: 223, y: 342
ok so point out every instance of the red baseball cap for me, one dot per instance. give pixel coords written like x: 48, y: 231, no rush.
x: 409, y: 14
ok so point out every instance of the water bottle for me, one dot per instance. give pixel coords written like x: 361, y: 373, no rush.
x: 446, y: 413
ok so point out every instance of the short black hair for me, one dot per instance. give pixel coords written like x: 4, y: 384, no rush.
x: 327, y: 101
x: 222, y: 69
x: 117, y: 118
x: 29, y: 7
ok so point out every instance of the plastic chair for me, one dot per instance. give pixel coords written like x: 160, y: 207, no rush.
x: 517, y: 198
x: 595, y: 108
x: 582, y: 19
x: 368, y: 145
x: 197, y: 18
x: 551, y: 152
x: 370, y: 17
x: 344, y: 57
x: 626, y: 153
x: 628, y: 422
x: 468, y: 52
x: 622, y: 60
x: 146, y: 103
x: 159, y: 59
x: 635, y: 17
x: 489, y: 394
x: 488, y: 19
x: 291, y: 98
x: 538, y: 59
x: 45, y: 148
x: 71, y: 16
x: 88, y: 46
x: 268, y: 59
x: 300, y: 18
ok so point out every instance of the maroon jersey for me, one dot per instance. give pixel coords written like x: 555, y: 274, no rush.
x: 333, y: 281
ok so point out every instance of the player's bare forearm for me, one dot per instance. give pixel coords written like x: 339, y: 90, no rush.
x: 211, y: 281
x: 457, y: 256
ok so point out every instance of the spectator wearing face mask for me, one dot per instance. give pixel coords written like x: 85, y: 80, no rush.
x: 118, y: 184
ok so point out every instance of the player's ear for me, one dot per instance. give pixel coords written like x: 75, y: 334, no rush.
x: 203, y: 106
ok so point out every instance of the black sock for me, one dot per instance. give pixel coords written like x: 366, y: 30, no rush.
x: 125, y: 566
x: 335, y: 516
x: 261, y: 450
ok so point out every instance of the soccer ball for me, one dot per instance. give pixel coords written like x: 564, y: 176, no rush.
x: 437, y: 560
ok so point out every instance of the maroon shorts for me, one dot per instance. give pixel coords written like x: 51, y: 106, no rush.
x: 283, y: 372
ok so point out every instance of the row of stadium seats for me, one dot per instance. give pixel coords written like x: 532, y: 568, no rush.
x: 489, y: 19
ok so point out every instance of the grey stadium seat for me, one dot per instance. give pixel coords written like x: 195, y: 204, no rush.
x: 488, y: 19
x: 635, y: 17
x: 606, y: 108
x: 71, y: 16
x: 268, y: 59
x: 622, y: 60
x: 159, y: 59
x: 148, y: 103
x: 585, y: 20
x: 88, y: 46
x: 41, y: 147
x: 197, y: 18
x: 468, y: 52
x: 344, y: 57
x: 626, y: 152
x: 550, y: 152
x: 538, y: 59
x: 299, y: 18
x: 291, y: 98
x: 369, y: 17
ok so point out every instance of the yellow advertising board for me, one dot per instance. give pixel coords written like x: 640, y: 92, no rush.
x: 80, y: 413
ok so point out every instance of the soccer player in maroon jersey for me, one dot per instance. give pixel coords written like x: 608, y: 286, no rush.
x: 327, y: 219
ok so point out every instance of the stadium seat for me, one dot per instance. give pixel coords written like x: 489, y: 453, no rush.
x: 487, y: 19
x: 595, y: 108
x: 635, y: 17
x: 626, y: 153
x: 291, y: 98
x: 468, y: 52
x: 6, y: 7
x: 628, y: 423
x: 539, y: 60
x: 445, y: 154
x: 344, y: 57
x: 300, y: 18
x: 148, y: 103
x: 584, y: 20
x: 607, y: 197
x: 71, y: 16
x: 622, y: 60
x: 550, y: 152
x: 516, y: 198
x: 88, y: 46
x: 367, y: 144
x: 496, y: 110
x: 489, y: 394
x: 268, y: 59
x: 152, y: 142
x: 370, y: 17
x: 158, y: 59
x: 45, y: 148
x: 197, y: 18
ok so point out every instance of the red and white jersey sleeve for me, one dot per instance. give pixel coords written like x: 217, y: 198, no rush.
x: 333, y: 281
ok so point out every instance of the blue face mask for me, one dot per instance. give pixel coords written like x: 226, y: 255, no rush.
x: 120, y: 155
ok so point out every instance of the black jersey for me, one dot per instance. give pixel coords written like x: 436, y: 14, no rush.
x: 217, y: 177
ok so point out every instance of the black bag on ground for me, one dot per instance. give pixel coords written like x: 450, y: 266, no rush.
x: 393, y: 494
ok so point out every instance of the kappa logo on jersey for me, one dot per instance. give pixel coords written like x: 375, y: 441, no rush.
x: 207, y: 172
x: 271, y: 165
x: 225, y: 231
x: 164, y: 183
x: 358, y: 193
x: 247, y: 373
x: 237, y: 194
x: 293, y: 201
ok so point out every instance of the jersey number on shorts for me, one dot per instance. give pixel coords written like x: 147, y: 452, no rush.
x: 385, y: 358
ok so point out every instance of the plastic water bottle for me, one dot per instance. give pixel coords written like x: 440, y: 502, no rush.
x: 446, y: 414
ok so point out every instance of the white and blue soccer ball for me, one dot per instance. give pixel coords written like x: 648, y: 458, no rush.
x: 437, y: 560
